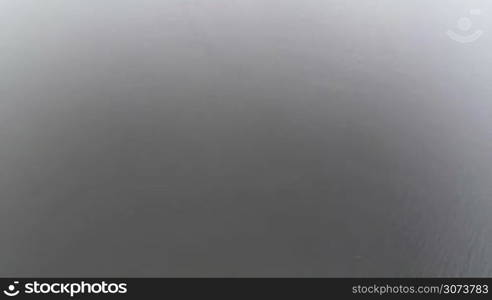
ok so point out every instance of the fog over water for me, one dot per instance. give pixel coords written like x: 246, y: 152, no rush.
x: 244, y: 138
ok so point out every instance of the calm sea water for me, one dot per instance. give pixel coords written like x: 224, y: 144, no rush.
x: 244, y: 137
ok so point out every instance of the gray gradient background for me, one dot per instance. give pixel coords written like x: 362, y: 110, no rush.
x: 244, y: 138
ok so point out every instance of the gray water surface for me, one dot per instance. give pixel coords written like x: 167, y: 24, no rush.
x: 244, y: 138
